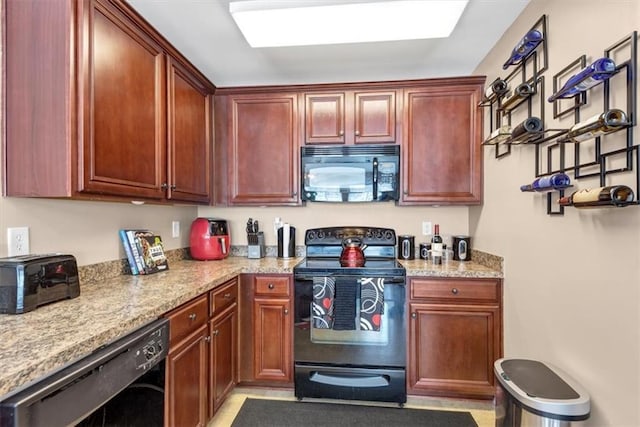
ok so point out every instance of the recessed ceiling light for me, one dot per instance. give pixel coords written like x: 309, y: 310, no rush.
x: 294, y: 23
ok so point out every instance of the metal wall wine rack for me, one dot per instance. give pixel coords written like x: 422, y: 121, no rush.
x: 551, y: 144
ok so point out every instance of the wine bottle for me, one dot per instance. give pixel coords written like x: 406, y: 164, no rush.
x: 525, y: 46
x: 497, y: 88
x: 600, y: 124
x: 526, y: 131
x: 590, y: 76
x: 614, y: 195
x: 520, y: 93
x: 557, y: 181
x: 501, y: 134
x: 436, y: 245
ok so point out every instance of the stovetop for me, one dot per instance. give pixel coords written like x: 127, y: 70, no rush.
x: 324, y: 246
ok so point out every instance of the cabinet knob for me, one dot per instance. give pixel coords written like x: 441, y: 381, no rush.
x: 227, y: 296
x: 164, y: 186
x: 405, y: 192
x: 454, y: 291
x: 414, y: 315
x: 357, y: 133
x: 216, y: 332
x: 173, y: 186
x: 207, y: 338
x: 270, y: 286
x: 286, y: 311
x: 192, y: 317
x: 294, y: 194
x: 341, y: 133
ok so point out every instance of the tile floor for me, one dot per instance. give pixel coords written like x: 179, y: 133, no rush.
x: 482, y: 411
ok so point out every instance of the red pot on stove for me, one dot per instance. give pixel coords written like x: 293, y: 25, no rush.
x: 209, y: 239
x: 352, y: 252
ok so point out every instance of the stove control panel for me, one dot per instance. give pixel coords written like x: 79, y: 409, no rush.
x: 331, y: 236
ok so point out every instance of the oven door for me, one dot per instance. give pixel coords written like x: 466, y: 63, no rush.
x: 382, y: 348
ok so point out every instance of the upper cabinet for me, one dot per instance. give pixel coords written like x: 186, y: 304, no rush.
x: 258, y: 152
x: 118, y: 115
x: 350, y: 117
x: 441, y: 150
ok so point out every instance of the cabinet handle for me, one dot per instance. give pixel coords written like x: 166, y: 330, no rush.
x: 207, y: 338
x: 270, y: 286
x: 414, y: 315
x: 227, y: 296
x: 164, y: 186
x: 454, y: 291
x: 216, y: 332
x: 192, y: 317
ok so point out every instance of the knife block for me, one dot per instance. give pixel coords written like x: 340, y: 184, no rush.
x: 256, y: 248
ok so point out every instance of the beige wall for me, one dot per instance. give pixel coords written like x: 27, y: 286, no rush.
x: 572, y: 282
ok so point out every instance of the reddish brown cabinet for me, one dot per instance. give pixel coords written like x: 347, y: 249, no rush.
x: 267, y: 325
x: 455, y: 335
x: 96, y: 130
x: 350, y: 117
x: 441, y: 150
x: 258, y: 152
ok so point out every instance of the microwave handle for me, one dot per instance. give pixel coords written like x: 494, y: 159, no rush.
x: 375, y: 178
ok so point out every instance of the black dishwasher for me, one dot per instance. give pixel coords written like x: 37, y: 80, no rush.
x: 119, y: 384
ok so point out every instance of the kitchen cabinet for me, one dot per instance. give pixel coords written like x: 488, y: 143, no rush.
x: 223, y: 350
x: 351, y: 117
x: 187, y: 365
x: 441, y: 147
x: 267, y: 325
x: 258, y: 152
x: 119, y: 116
x: 455, y: 335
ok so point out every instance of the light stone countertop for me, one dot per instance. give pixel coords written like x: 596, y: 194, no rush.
x: 39, y: 342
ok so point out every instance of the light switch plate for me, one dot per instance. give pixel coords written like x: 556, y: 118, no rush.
x: 426, y: 228
x: 175, y: 229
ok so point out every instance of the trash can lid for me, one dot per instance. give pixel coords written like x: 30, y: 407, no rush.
x: 543, y: 389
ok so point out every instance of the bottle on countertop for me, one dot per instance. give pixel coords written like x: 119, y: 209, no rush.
x: 520, y: 93
x: 614, y: 195
x: 557, y: 181
x: 497, y: 88
x: 590, y: 76
x: 525, y: 46
x: 527, y: 131
x: 436, y: 245
x: 501, y: 134
x: 600, y: 124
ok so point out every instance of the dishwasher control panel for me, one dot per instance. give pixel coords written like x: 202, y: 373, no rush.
x: 152, y: 349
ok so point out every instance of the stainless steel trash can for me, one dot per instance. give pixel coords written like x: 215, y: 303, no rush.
x: 530, y: 393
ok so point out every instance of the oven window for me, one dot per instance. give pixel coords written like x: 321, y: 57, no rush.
x: 359, y: 337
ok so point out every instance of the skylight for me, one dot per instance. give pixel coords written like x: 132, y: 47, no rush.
x: 292, y: 23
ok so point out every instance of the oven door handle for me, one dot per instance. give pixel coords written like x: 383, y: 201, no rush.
x: 400, y: 280
x: 350, y: 380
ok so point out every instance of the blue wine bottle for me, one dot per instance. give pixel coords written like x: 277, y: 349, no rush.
x: 524, y: 47
x: 590, y: 76
x: 557, y: 181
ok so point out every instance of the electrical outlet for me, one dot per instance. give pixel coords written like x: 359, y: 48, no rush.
x: 175, y: 229
x: 426, y: 228
x: 18, y: 241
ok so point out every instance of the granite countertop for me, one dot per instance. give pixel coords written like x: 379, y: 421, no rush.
x: 50, y: 337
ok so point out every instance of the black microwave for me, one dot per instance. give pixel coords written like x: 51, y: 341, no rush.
x: 350, y: 173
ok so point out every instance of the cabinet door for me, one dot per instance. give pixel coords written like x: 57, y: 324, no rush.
x: 186, y: 381
x: 123, y: 85
x: 325, y: 118
x: 452, y: 349
x: 189, y: 136
x: 375, y: 117
x: 223, y: 364
x: 441, y: 153
x: 272, y: 340
x: 264, y: 150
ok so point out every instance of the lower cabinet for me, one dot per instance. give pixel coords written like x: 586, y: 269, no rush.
x: 455, y: 335
x: 201, y: 366
x: 267, y: 330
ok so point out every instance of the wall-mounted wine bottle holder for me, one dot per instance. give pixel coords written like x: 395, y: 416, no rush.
x: 525, y: 73
x: 600, y: 165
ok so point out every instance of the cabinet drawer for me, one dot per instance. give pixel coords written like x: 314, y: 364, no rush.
x: 272, y: 286
x: 187, y: 318
x: 223, y: 297
x: 469, y: 289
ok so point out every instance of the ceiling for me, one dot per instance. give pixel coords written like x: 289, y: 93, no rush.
x: 205, y: 33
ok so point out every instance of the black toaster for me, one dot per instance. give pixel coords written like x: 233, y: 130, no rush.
x: 29, y: 281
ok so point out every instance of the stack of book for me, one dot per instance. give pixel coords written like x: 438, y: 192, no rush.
x: 144, y: 250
